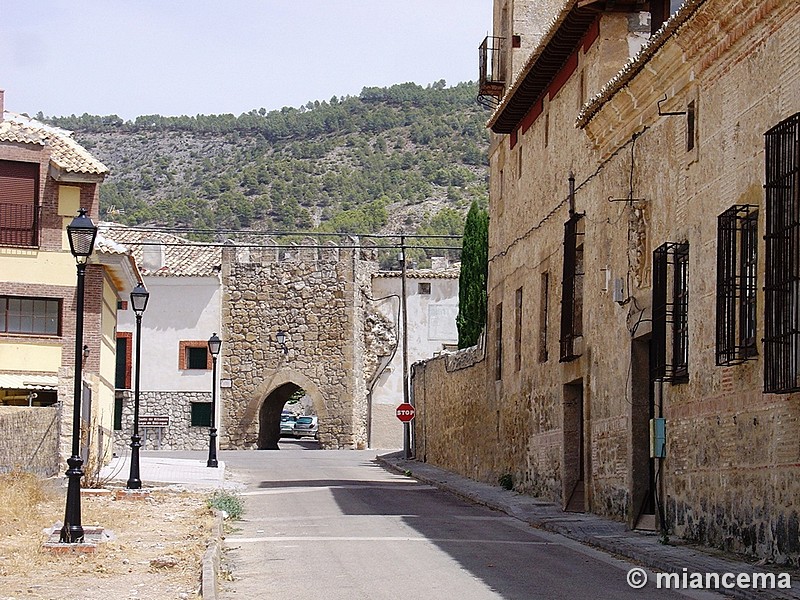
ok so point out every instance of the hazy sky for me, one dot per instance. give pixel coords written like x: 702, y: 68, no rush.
x: 173, y: 57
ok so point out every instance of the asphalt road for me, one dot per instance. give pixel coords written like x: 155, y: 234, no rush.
x: 335, y: 525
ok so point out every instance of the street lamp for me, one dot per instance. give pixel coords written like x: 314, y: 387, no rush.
x: 214, y: 345
x: 139, y: 298
x: 81, y: 233
x: 280, y: 337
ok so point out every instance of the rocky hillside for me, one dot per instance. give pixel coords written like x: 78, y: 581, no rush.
x: 404, y: 158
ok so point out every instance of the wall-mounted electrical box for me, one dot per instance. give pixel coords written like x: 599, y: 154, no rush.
x: 658, y: 438
x: 619, y: 290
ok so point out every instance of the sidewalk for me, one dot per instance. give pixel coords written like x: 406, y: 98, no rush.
x: 611, y: 536
x: 188, y: 471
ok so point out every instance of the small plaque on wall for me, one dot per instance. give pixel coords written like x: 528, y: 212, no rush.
x: 225, y: 383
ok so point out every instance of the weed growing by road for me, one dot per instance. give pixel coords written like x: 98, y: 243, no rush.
x: 232, y: 504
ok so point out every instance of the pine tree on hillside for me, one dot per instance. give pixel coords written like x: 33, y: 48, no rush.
x: 472, y: 283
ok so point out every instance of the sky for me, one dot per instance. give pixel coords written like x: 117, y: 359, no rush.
x: 176, y: 57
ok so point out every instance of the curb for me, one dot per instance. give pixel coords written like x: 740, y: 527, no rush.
x: 617, y: 539
x: 209, y: 581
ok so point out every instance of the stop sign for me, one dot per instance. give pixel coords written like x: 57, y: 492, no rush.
x: 405, y: 412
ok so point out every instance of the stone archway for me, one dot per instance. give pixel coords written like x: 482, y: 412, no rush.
x: 269, y: 416
x: 262, y: 414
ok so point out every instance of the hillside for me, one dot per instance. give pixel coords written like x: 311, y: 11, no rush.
x: 404, y: 158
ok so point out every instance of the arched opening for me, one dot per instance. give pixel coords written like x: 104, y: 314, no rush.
x: 269, y: 417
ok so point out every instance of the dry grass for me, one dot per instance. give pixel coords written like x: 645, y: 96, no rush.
x: 172, y: 524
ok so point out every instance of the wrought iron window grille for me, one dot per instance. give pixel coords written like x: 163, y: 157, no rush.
x: 737, y: 271
x: 670, y: 357
x: 572, y: 289
x: 782, y: 260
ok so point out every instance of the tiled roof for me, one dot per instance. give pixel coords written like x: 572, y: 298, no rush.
x: 182, y: 257
x: 66, y: 154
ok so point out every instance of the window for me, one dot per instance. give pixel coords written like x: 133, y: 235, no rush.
x: 196, y: 358
x: 122, y: 376
x: 117, y: 414
x: 201, y: 414
x: 30, y: 316
x: 518, y: 330
x: 498, y: 346
x: 194, y: 355
x: 424, y: 288
x: 671, y: 313
x: 737, y: 263
x: 572, y: 289
x: 19, y: 203
x: 543, y: 308
x: 691, y: 129
x: 782, y: 276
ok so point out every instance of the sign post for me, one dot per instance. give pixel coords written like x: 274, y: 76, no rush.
x: 405, y: 412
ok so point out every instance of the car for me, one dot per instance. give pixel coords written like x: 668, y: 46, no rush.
x: 306, y: 426
x: 287, y: 424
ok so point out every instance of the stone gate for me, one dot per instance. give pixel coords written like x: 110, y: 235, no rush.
x: 314, y: 294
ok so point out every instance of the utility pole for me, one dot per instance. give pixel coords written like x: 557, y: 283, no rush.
x: 407, y: 425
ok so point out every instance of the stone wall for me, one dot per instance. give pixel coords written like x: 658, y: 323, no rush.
x: 455, y: 422
x: 29, y: 439
x: 730, y: 475
x: 177, y: 406
x: 312, y: 294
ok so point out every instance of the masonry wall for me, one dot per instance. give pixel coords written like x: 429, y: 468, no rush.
x: 309, y: 293
x: 730, y: 476
x: 179, y: 434
x: 29, y: 439
x: 462, y: 436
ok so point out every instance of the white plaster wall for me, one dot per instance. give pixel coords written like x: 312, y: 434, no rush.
x: 431, y: 326
x: 180, y: 309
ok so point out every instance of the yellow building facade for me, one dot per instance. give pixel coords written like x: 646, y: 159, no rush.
x: 45, y: 177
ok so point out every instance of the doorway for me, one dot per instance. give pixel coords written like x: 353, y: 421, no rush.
x: 642, y: 468
x: 574, y: 488
x: 269, y: 416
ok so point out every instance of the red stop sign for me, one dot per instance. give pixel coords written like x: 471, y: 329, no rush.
x: 405, y: 412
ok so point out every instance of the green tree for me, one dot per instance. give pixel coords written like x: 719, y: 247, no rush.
x: 472, y: 283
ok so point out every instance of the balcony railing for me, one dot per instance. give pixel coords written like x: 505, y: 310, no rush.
x: 19, y: 224
x: 491, y: 67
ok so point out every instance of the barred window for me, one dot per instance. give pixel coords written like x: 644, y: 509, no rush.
x: 671, y: 313
x: 737, y: 264
x: 572, y: 289
x: 782, y: 276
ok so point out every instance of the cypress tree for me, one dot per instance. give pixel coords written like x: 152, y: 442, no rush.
x: 472, y: 282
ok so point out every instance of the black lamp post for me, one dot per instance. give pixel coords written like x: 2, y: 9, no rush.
x: 214, y: 345
x: 280, y: 337
x: 81, y: 233
x: 139, y: 298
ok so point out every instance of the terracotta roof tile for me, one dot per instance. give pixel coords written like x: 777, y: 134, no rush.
x: 182, y: 257
x: 66, y: 153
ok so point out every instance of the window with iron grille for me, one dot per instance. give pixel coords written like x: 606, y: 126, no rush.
x: 737, y: 264
x: 670, y: 358
x: 30, y: 316
x: 572, y: 289
x: 19, y: 203
x: 782, y: 276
